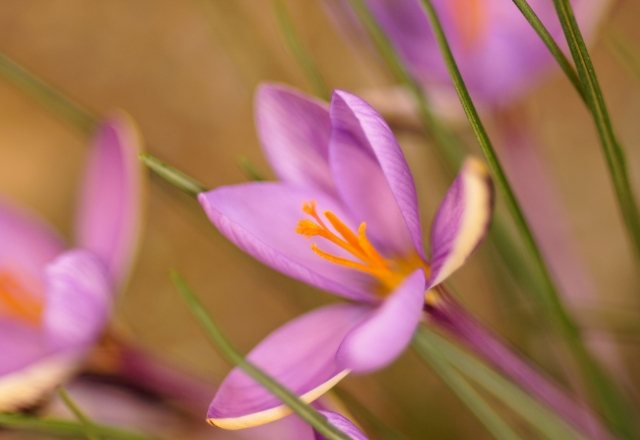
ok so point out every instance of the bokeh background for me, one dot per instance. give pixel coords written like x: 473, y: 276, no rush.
x: 187, y: 71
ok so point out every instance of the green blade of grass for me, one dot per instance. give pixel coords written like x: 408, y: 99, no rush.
x: 604, y: 392
x: 546, y: 37
x: 437, y: 349
x: 306, y: 412
x: 21, y: 77
x: 79, y: 414
x: 65, y: 428
x: 448, y: 146
x: 625, y: 54
x: 175, y: 177
x: 613, y: 152
x: 299, y: 51
x: 494, y: 423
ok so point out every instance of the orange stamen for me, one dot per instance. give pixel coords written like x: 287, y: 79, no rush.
x: 471, y: 19
x: 367, y: 259
x: 16, y: 301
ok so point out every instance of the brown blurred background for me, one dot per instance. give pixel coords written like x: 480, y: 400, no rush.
x: 186, y: 71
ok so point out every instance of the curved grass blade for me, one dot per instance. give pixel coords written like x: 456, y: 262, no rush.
x: 604, y: 392
x: 548, y: 40
x: 65, y: 428
x: 21, y: 77
x: 461, y: 387
x: 306, y: 412
x: 299, y: 52
x: 78, y: 413
x: 614, y: 154
x: 625, y: 54
x: 172, y: 175
x: 435, y: 348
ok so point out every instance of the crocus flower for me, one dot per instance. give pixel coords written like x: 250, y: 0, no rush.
x: 498, y: 52
x: 54, y: 299
x: 343, y: 217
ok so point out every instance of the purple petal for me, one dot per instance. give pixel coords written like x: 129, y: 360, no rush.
x: 462, y: 220
x: 27, y: 245
x: 290, y: 427
x: 518, y: 57
x: 343, y: 424
x: 27, y: 386
x: 261, y: 218
x: 300, y: 355
x: 294, y: 130
x: 78, y: 300
x: 36, y: 359
x: 372, y: 175
x: 387, y: 331
x: 108, y: 220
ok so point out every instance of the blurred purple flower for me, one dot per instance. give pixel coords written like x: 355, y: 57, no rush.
x: 498, y: 52
x: 344, y: 185
x: 54, y: 300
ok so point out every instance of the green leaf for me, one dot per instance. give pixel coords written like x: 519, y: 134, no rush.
x: 65, y: 428
x: 603, y: 390
x: 614, y: 154
x: 299, y: 51
x: 306, y: 412
x: 91, y: 434
x: 73, y: 112
x: 493, y: 421
x: 451, y: 150
x: 448, y: 360
x: 625, y: 54
x: 172, y: 175
x: 551, y: 44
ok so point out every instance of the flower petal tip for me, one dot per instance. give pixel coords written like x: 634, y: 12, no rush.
x: 462, y: 220
x: 215, y: 415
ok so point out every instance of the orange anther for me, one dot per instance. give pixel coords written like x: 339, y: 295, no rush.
x: 17, y: 302
x: 388, y: 273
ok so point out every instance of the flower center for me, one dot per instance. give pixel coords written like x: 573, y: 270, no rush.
x: 471, y: 21
x: 17, y: 301
x: 388, y: 272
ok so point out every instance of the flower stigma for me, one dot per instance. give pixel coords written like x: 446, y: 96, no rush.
x: 17, y: 301
x: 387, y: 272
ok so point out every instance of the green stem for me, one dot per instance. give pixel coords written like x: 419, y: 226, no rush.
x: 377, y: 427
x: 78, y: 413
x: 625, y: 54
x: 65, y: 428
x: 494, y: 423
x: 300, y: 53
x: 306, y: 412
x: 614, y: 154
x: 175, y: 177
x: 250, y: 171
x: 449, y: 147
x: 435, y: 348
x: 21, y: 77
x: 604, y: 393
x: 551, y: 44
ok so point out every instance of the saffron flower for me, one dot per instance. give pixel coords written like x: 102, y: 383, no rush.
x: 54, y: 300
x: 343, y: 217
x: 497, y: 50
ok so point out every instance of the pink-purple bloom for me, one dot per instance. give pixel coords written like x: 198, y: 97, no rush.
x: 55, y: 299
x: 498, y: 52
x: 343, y: 217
